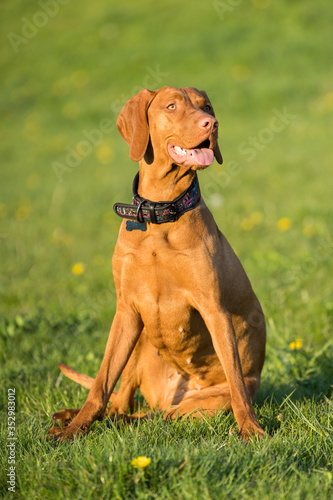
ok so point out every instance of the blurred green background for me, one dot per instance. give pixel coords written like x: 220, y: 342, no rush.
x: 70, y: 65
x: 67, y: 67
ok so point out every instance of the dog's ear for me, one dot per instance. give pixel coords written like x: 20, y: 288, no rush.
x: 217, y: 151
x: 217, y: 154
x: 133, y: 125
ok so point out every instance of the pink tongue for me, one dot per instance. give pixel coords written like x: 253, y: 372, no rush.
x: 202, y: 156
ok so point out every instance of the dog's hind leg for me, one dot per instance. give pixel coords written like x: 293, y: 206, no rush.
x: 208, y: 401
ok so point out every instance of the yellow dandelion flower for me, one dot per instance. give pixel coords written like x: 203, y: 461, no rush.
x: 256, y: 218
x: 322, y: 105
x: 140, y: 462
x: 23, y: 211
x: 247, y: 224
x: 79, y: 78
x: 284, y: 224
x: 297, y: 344
x: 78, y: 268
x: 309, y: 230
x: 104, y: 154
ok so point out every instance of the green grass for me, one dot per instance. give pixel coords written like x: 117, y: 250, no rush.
x: 76, y: 71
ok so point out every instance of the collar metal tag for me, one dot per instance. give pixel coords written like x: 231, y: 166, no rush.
x: 132, y: 225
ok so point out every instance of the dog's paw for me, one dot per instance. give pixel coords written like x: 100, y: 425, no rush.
x: 252, y: 431
x: 56, y: 434
x: 67, y: 433
x: 64, y: 417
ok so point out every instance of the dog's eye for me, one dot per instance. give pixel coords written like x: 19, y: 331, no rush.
x: 207, y: 107
x: 171, y: 106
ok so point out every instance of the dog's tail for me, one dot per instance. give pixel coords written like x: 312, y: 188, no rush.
x: 77, y: 377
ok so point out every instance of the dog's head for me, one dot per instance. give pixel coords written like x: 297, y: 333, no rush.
x: 172, y: 124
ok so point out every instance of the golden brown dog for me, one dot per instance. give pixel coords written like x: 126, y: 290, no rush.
x: 188, y: 330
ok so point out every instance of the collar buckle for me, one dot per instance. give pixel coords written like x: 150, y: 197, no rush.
x: 158, y: 212
x: 139, y: 215
x: 172, y: 213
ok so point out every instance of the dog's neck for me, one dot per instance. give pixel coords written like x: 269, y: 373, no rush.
x: 163, y: 184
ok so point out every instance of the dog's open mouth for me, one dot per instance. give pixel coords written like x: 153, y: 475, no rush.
x: 201, y: 155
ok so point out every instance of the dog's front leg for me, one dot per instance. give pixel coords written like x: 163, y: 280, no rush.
x: 125, y: 331
x: 219, y: 324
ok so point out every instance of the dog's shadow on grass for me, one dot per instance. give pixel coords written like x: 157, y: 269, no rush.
x: 302, y: 380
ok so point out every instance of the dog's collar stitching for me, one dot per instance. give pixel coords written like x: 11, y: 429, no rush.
x: 144, y: 210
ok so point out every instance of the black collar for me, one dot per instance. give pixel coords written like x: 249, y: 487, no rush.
x: 158, y: 212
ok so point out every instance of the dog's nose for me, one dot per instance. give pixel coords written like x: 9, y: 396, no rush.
x: 208, y: 123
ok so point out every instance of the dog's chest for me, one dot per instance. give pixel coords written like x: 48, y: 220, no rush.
x: 157, y: 277
x: 175, y: 328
